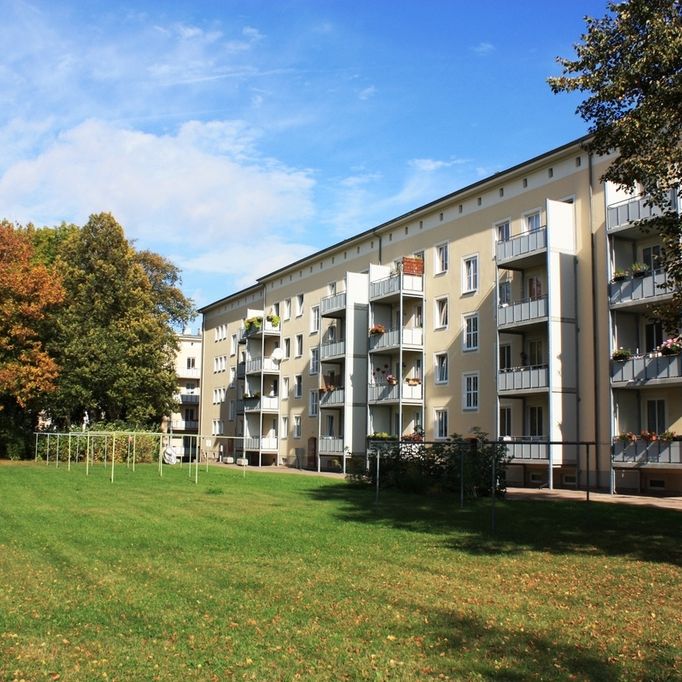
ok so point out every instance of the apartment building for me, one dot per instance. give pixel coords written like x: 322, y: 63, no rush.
x: 497, y: 307
x: 184, y: 424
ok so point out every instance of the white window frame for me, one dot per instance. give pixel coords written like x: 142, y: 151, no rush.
x: 297, y: 426
x: 498, y: 228
x: 314, y: 319
x: 439, y: 423
x: 285, y: 427
x: 298, y: 386
x: 298, y: 351
x: 313, y: 403
x: 471, y: 394
x: 527, y: 217
x: 286, y: 309
x: 287, y: 347
x: 470, y: 338
x: 233, y: 344
x: 315, y: 360
x: 470, y: 280
x: 437, y: 313
x: 300, y: 304
x: 438, y: 378
x: 442, y: 258
x: 232, y: 411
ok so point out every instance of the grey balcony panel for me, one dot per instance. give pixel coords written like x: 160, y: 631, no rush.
x: 521, y: 245
x: 624, y: 213
x: 636, y: 289
x: 523, y: 379
x: 333, y: 304
x: 241, y: 370
x: 643, y: 452
x: 527, y: 450
x: 258, y: 364
x: 332, y: 350
x: 332, y: 398
x: 644, y: 369
x: 409, y: 284
x: 330, y: 445
x: 392, y: 392
x: 528, y: 310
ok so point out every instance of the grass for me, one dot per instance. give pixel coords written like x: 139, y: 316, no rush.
x: 278, y: 577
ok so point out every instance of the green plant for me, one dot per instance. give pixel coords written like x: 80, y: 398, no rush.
x: 619, y: 275
x: 377, y: 329
x: 273, y: 319
x: 253, y: 324
x: 639, y: 269
x: 621, y: 354
x: 671, y: 346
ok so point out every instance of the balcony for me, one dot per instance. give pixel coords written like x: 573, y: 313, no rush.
x: 332, y: 350
x: 263, y: 443
x: 241, y: 370
x: 391, y: 287
x: 266, y: 327
x: 524, y: 250
x: 621, y: 215
x: 529, y: 379
x: 391, y: 393
x: 189, y: 373
x: 187, y: 398
x: 329, y: 445
x: 184, y: 425
x: 647, y: 370
x: 640, y: 290
x: 527, y: 311
x: 335, y: 398
x: 333, y: 306
x: 413, y: 337
x: 263, y: 404
x: 641, y: 452
x: 258, y: 364
x: 525, y: 449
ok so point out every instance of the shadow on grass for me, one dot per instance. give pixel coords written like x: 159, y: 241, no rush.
x: 644, y: 533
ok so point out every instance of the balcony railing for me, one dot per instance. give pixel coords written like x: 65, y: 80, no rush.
x: 389, y: 286
x: 652, y: 368
x: 528, y: 310
x: 622, y: 214
x: 265, y: 403
x: 643, y: 452
x: 412, y: 336
x: 189, y: 373
x: 264, y: 443
x: 535, y: 377
x: 266, y: 326
x: 332, y: 398
x: 522, y: 245
x: 330, y: 445
x: 258, y: 364
x: 392, y: 392
x: 636, y: 289
x: 185, y: 424
x: 333, y: 304
x: 332, y: 350
x: 187, y: 398
x: 526, y: 449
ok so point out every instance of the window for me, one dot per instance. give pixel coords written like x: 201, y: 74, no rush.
x: 505, y: 422
x: 191, y: 363
x: 287, y: 348
x: 533, y: 222
x: 651, y: 256
x: 233, y: 376
x: 470, y: 275
x: 653, y: 336
x: 441, y: 423
x: 285, y: 388
x: 505, y: 356
x: 298, y: 386
x: 329, y: 425
x: 441, y: 313
x: 536, y: 427
x: 275, y: 308
x: 441, y: 368
x: 418, y: 316
x: 655, y: 416
x: 535, y: 352
x: 299, y: 345
x: 299, y: 305
x: 233, y: 344
x: 297, y: 426
x: 232, y: 410
x: 314, y: 360
x: 503, y: 232
x: 285, y: 427
x: 286, y: 312
x: 471, y: 332
x: 505, y: 292
x: 315, y: 319
x: 331, y: 289
x: 313, y: 403
x: 534, y: 288
x: 470, y: 390
x: 441, y: 264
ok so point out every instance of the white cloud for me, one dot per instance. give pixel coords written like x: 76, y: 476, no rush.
x: 367, y: 92
x: 431, y: 165
x: 203, y: 187
x: 483, y: 48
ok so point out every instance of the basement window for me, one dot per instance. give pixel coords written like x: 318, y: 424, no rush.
x: 570, y: 479
x: 657, y: 483
x: 537, y: 478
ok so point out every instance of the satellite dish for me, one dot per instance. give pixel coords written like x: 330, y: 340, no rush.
x: 277, y: 354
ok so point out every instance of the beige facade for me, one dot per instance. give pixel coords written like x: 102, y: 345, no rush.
x: 490, y: 308
x: 184, y: 424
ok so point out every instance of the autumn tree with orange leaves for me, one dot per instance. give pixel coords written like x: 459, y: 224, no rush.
x: 27, y: 292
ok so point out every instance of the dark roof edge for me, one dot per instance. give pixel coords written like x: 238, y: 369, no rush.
x: 241, y: 292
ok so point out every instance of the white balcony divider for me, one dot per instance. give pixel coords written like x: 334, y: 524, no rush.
x: 521, y: 245
x: 335, y: 397
x: 331, y: 304
x: 523, y: 378
x: 330, y: 350
x: 636, y: 289
x: 643, y: 452
x: 653, y: 367
x: 330, y: 445
x: 522, y: 311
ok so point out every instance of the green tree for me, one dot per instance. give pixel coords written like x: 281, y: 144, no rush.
x: 113, y: 335
x: 630, y: 64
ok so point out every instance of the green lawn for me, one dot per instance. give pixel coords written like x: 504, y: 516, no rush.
x: 282, y: 577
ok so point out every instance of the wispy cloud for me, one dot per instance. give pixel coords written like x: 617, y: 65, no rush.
x: 431, y: 165
x: 367, y: 92
x: 483, y: 49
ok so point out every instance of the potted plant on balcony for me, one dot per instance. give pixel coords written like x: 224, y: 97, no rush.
x: 639, y: 269
x: 621, y: 354
x: 377, y: 329
x: 667, y: 436
x: 391, y: 379
x: 628, y: 437
x: 253, y: 324
x: 619, y: 275
x: 273, y: 319
x: 649, y: 436
x: 413, y: 381
x: 671, y: 346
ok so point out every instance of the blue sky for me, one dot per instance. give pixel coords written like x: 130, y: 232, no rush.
x: 236, y: 135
